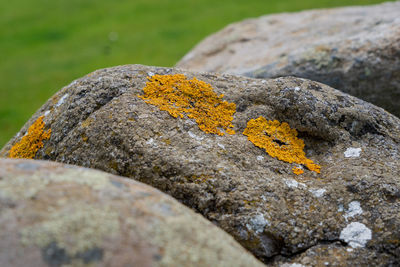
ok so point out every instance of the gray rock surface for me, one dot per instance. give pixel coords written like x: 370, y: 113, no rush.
x: 62, y: 215
x: 352, y: 206
x: 353, y: 49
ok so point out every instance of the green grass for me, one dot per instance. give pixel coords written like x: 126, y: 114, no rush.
x: 45, y: 44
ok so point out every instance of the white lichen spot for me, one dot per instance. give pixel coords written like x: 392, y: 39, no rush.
x: 293, y: 183
x: 260, y: 158
x: 47, y: 112
x: 62, y: 99
x: 349, y: 250
x: 257, y: 223
x: 297, y: 88
x: 263, y: 81
x: 352, y: 152
x: 150, y: 74
x: 221, y: 146
x: 143, y: 116
x: 150, y: 141
x: 318, y: 192
x: 198, y: 138
x: 353, y: 210
x: 340, y: 208
x: 356, y: 234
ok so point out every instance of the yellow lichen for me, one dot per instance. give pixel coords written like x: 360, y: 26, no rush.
x: 195, y: 98
x: 297, y: 171
x: 31, y: 142
x: 279, y: 141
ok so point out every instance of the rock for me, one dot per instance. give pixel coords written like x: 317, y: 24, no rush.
x: 334, y: 255
x: 109, y: 120
x: 353, y: 49
x: 61, y: 215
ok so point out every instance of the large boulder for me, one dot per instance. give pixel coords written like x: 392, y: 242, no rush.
x: 353, y: 49
x: 333, y: 187
x: 62, y: 215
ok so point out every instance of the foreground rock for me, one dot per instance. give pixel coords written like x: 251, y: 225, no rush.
x: 61, y: 215
x: 354, y: 49
x: 103, y: 121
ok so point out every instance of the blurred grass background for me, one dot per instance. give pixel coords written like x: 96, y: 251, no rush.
x: 45, y: 44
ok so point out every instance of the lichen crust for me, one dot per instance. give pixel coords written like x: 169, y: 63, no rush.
x: 297, y: 170
x: 279, y: 141
x: 178, y: 96
x: 31, y: 142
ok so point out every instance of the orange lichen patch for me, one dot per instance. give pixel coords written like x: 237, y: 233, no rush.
x: 279, y: 141
x: 31, y: 142
x: 195, y: 98
x: 297, y: 171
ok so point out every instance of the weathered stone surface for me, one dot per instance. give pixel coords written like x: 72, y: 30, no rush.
x: 99, y: 121
x: 353, y: 49
x: 62, y: 215
x: 335, y: 255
